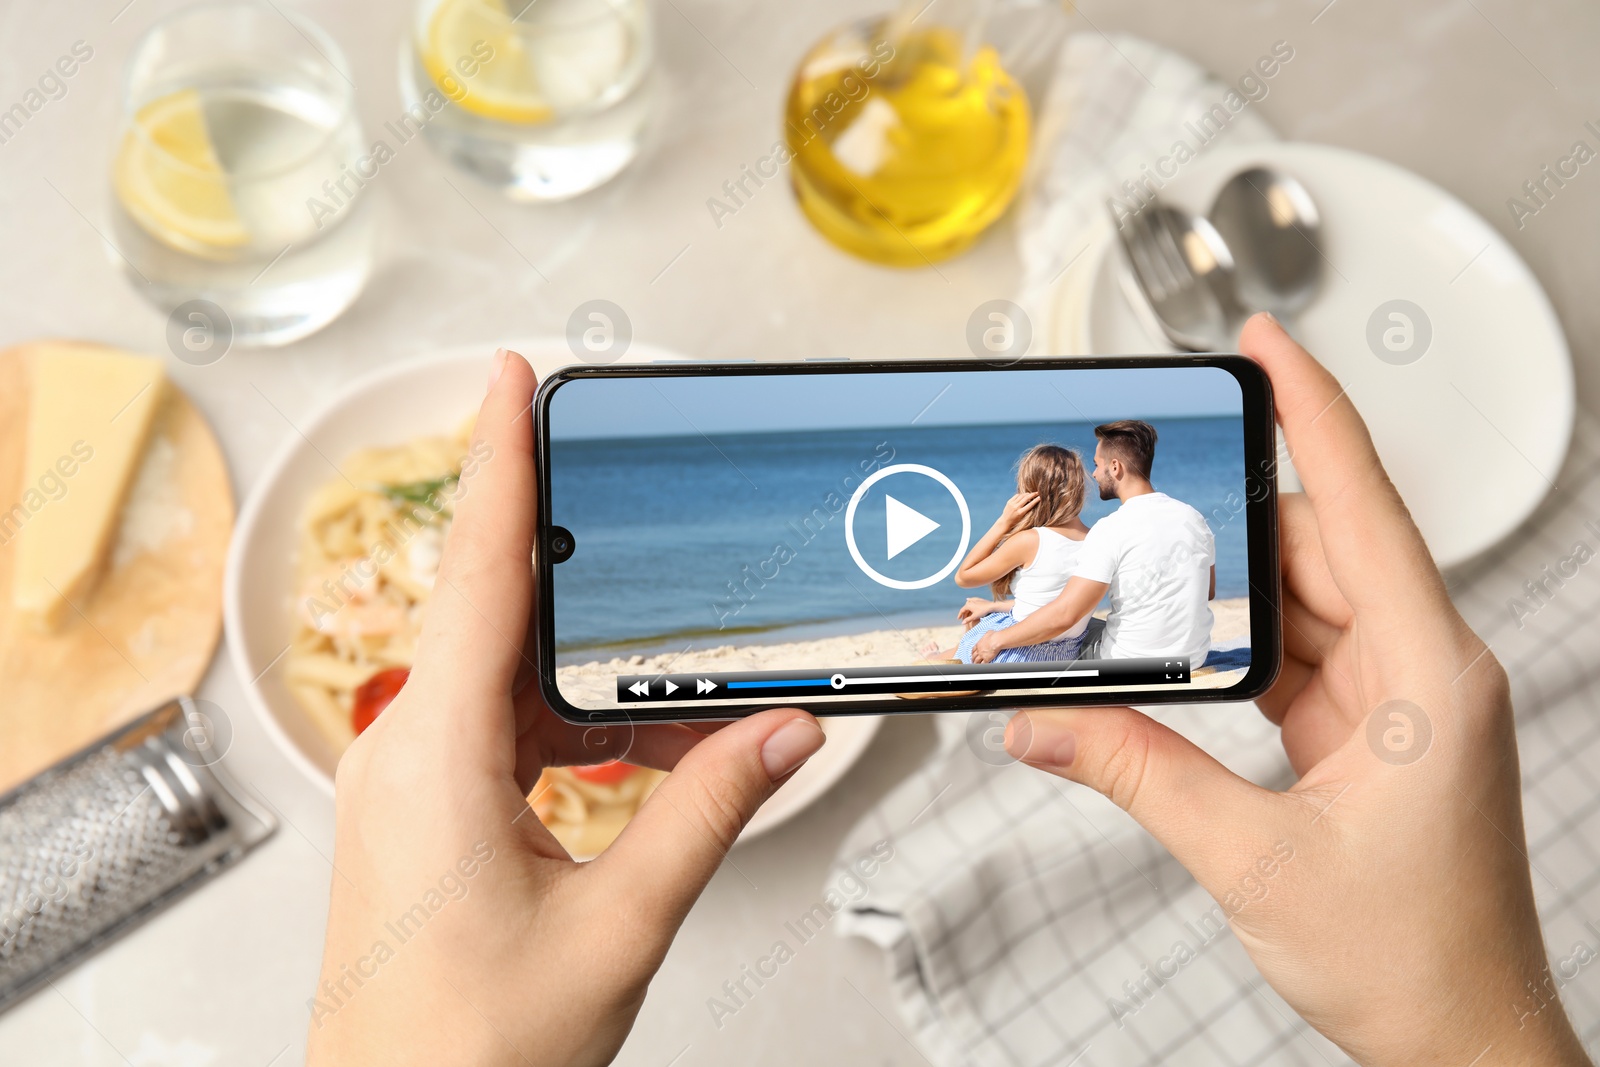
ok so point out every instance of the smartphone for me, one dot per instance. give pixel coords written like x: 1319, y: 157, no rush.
x: 859, y: 537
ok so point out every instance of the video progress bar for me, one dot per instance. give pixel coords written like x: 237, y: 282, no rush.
x: 877, y: 681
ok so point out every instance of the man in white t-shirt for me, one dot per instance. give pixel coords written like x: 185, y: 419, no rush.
x: 1154, y: 554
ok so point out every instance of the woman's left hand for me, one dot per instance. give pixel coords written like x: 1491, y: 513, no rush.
x: 460, y: 931
x: 974, y: 609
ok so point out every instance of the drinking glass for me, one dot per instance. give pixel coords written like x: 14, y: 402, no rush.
x: 238, y: 173
x: 543, y: 99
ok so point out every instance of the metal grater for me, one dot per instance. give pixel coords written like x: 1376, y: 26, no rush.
x: 111, y: 835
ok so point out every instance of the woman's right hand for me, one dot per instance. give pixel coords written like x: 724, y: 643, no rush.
x: 1386, y: 895
x: 1016, y: 511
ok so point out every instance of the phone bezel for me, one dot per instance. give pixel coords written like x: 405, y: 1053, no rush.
x: 1261, y: 527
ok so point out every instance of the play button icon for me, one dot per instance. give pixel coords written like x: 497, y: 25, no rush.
x: 905, y: 526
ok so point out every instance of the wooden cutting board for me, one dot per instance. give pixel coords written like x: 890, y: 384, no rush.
x: 149, y: 628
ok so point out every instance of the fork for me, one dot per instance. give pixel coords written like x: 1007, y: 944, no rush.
x: 1184, y: 270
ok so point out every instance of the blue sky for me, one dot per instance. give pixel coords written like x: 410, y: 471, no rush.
x: 666, y: 407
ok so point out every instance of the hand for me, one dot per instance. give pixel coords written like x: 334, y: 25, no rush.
x: 987, y: 648
x: 1016, y: 511
x: 1386, y: 895
x: 459, y: 930
x: 974, y: 609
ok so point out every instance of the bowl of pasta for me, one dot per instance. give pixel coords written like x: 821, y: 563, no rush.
x: 333, y: 560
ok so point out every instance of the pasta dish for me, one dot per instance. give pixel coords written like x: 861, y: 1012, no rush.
x: 369, y: 546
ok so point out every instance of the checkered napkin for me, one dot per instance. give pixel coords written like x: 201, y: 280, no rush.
x: 1029, y: 921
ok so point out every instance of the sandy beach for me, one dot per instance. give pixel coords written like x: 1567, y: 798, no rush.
x: 593, y: 684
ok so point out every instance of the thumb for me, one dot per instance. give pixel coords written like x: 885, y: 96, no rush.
x: 1211, y: 820
x: 676, y: 841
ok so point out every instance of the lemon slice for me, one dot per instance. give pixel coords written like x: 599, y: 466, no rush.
x: 506, y: 86
x: 168, y: 178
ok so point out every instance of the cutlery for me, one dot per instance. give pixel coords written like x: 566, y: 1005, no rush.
x: 1270, y: 223
x: 1185, y: 269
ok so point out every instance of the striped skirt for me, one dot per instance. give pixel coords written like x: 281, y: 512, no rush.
x: 1060, y: 650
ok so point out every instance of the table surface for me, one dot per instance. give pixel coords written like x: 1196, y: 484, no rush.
x: 1476, y: 96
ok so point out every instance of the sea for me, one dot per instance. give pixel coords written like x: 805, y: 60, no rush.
x: 693, y: 541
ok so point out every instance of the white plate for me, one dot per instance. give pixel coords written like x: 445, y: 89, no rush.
x: 425, y: 396
x: 1474, y: 431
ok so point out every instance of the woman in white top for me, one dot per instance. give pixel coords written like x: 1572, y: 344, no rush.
x: 1027, y: 557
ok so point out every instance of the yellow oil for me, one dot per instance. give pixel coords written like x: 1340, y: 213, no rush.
x: 900, y: 155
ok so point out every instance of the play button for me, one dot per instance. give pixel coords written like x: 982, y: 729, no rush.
x: 905, y: 526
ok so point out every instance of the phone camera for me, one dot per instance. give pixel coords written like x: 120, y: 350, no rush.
x: 561, y: 545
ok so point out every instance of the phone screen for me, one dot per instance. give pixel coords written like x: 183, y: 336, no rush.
x: 878, y: 538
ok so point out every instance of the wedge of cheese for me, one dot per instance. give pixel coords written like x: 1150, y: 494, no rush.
x: 89, y: 416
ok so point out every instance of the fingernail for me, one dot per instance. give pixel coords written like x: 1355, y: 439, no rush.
x: 499, y: 365
x: 793, y: 743
x: 1045, y: 745
x: 1270, y: 317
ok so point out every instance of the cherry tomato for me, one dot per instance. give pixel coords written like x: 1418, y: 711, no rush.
x: 375, y: 694
x: 608, y: 773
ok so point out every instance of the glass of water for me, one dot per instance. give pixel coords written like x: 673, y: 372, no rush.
x: 543, y: 99
x: 238, y: 173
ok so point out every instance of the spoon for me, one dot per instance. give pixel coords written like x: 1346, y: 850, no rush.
x: 1271, y: 225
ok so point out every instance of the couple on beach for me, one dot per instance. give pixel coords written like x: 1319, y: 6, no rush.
x: 1047, y: 570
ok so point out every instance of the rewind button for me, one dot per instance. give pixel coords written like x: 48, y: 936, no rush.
x: 632, y: 689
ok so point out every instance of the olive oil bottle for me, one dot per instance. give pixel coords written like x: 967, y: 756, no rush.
x: 907, y: 141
